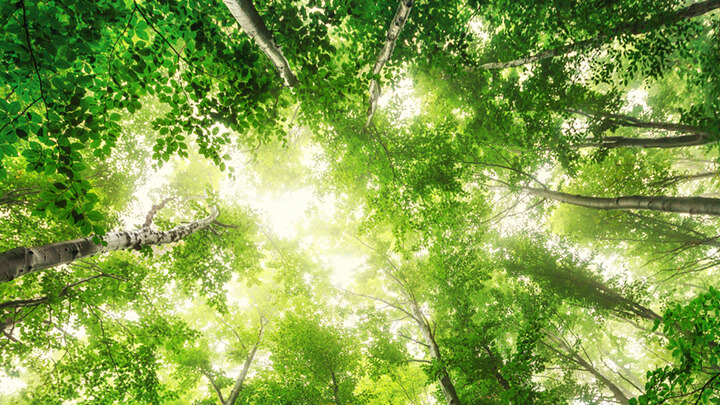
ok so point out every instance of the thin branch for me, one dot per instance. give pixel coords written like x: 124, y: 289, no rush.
x: 21, y: 113
x: 376, y: 299
x: 154, y: 210
x: 34, y: 61
x: 411, y: 339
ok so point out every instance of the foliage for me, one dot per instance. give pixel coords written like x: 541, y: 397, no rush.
x: 692, y: 332
x: 460, y: 285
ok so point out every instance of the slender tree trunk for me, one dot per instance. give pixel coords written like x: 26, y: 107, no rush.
x: 214, y: 385
x: 691, y: 11
x: 495, y: 369
x: 396, y: 26
x: 685, y: 205
x: 336, y: 389
x: 560, y: 347
x: 247, y: 16
x: 20, y: 261
x: 696, y: 135
x: 246, y: 368
x: 446, y: 384
x: 550, y: 53
x: 612, y: 142
x: 629, y: 121
x: 697, y: 176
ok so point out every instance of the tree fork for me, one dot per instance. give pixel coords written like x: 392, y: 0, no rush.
x: 21, y: 260
x: 396, y: 26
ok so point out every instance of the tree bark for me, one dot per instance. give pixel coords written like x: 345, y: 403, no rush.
x: 550, y: 53
x: 21, y: 260
x: 691, y: 11
x: 685, y: 205
x: 247, y: 16
x: 446, y: 384
x: 246, y: 368
x: 396, y: 26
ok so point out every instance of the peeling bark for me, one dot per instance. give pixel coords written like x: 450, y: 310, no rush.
x: 446, y: 384
x: 21, y: 260
x: 396, y: 26
x: 691, y: 11
x: 684, y: 205
x: 247, y: 16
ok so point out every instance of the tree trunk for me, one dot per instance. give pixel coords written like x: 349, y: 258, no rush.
x: 246, y: 368
x: 612, y: 142
x: 20, y: 261
x: 685, y: 205
x: 572, y: 355
x: 496, y: 364
x: 691, y: 11
x: 696, y: 137
x: 214, y: 385
x: 336, y: 389
x: 689, y: 177
x: 446, y: 384
x: 629, y: 121
x: 396, y: 26
x: 247, y: 16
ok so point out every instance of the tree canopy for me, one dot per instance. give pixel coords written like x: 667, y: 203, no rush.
x: 358, y: 202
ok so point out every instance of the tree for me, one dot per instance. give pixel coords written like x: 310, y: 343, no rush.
x: 688, y: 205
x: 410, y: 307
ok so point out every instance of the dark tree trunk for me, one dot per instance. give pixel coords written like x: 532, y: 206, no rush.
x: 685, y: 205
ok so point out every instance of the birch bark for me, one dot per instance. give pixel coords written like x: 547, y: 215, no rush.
x: 21, y: 260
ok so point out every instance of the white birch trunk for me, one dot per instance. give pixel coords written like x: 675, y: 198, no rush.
x: 396, y: 26
x: 21, y: 260
x: 247, y: 16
